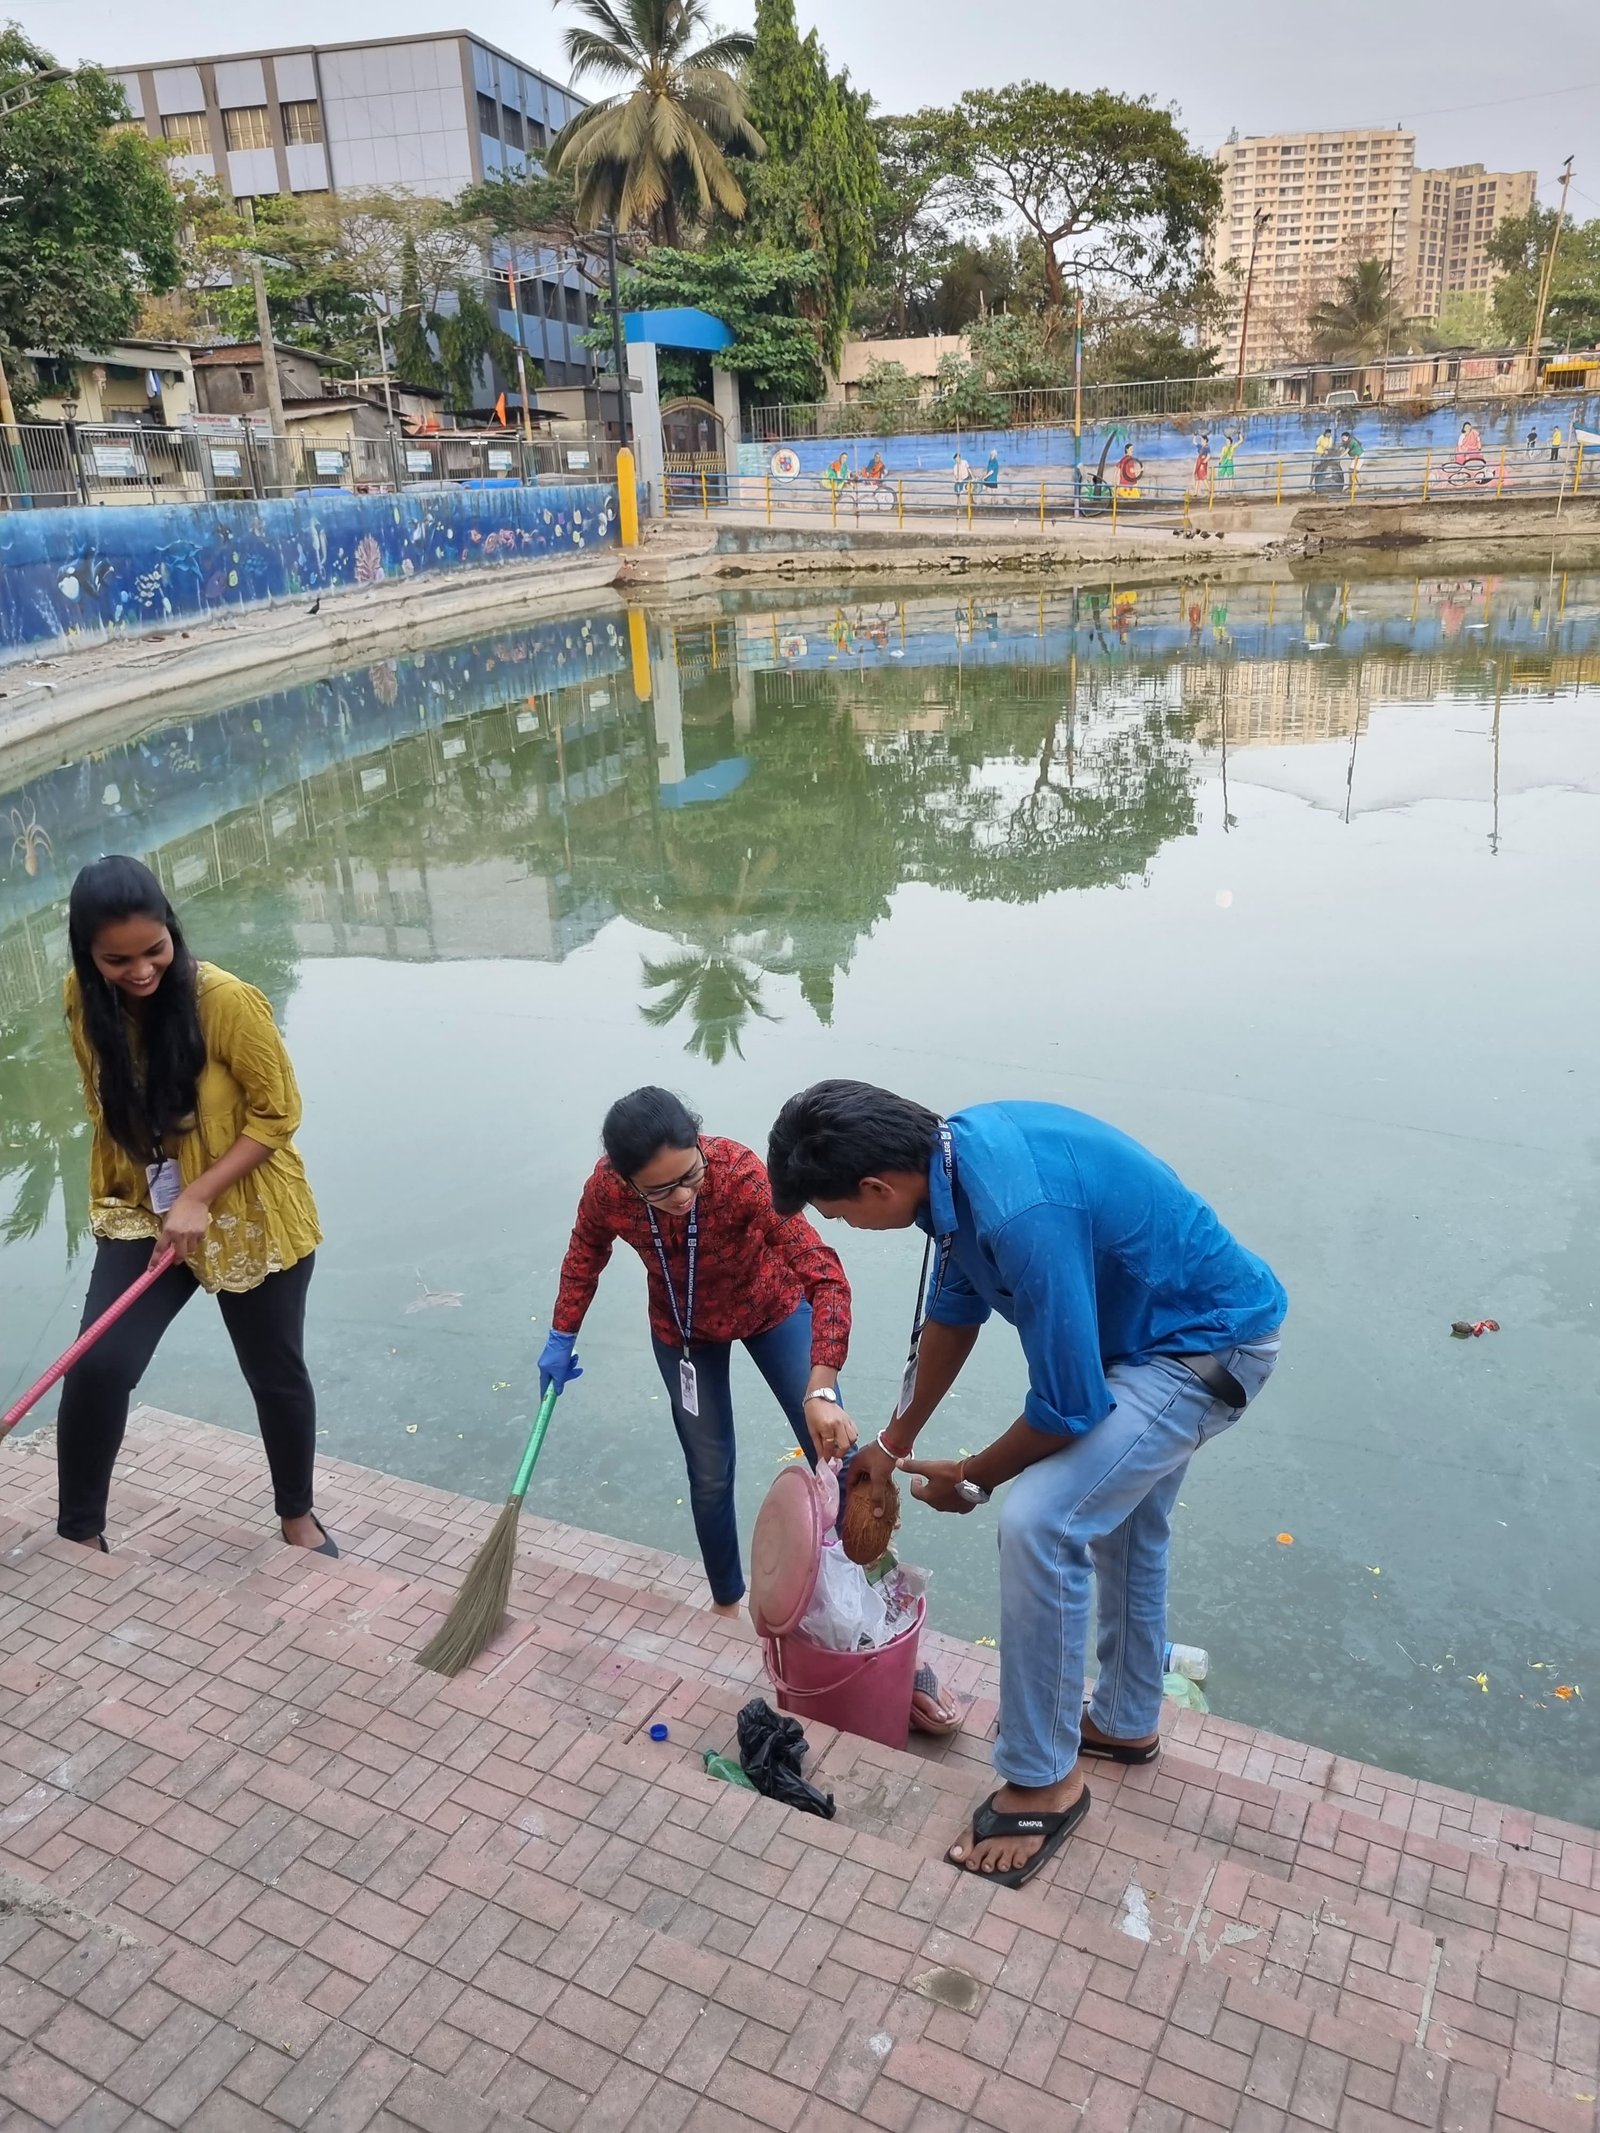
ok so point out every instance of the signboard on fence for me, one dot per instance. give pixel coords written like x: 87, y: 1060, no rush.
x: 418, y: 462
x: 119, y: 460
x: 577, y: 459
x: 226, y: 462
x: 328, y: 462
x: 500, y: 460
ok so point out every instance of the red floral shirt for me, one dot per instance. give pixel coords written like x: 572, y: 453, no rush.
x: 752, y: 1265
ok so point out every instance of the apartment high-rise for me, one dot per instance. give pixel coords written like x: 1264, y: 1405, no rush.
x: 1330, y: 200
x: 1454, y: 213
x: 427, y: 114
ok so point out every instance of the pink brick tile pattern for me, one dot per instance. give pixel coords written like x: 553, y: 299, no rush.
x: 258, y: 1870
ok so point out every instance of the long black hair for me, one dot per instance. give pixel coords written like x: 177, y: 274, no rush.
x: 141, y: 1109
x: 638, y: 1124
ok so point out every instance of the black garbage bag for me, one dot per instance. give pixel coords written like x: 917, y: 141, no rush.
x: 771, y: 1751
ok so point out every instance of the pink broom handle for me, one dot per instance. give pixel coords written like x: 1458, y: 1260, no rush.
x: 86, y: 1340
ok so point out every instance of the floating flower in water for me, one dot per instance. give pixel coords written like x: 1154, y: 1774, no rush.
x: 369, y: 561
x: 1481, y: 1681
x: 1566, y: 1692
x: 1285, y: 1540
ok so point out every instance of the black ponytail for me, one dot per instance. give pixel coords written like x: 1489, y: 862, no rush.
x: 141, y: 1111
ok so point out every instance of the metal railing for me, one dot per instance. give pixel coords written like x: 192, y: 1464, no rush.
x: 48, y: 465
x: 1178, y: 491
x: 1038, y: 407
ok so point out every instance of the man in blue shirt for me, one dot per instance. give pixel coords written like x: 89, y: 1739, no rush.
x: 1147, y: 1331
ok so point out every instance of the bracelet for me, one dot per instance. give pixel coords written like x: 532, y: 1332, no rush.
x: 893, y: 1451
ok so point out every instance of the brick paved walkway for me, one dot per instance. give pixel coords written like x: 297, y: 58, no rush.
x: 257, y: 1870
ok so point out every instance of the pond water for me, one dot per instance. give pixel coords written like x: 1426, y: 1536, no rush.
x: 1294, y: 880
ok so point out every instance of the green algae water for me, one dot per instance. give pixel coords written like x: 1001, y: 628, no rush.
x: 1296, y: 880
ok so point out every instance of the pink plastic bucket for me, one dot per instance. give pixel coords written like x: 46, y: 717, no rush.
x: 859, y: 1692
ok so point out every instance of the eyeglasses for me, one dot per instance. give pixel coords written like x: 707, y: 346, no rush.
x: 659, y: 1195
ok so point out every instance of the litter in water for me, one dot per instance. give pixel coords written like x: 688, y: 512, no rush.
x: 1482, y: 1681
x: 1285, y: 1540
x: 1469, y: 1329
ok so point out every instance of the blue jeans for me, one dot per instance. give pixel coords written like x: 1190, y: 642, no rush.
x: 1103, y: 1503
x: 783, y: 1357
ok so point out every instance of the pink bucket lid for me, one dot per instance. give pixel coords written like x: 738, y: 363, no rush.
x: 786, y: 1547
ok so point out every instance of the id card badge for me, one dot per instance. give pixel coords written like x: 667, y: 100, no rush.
x: 908, y: 1384
x: 165, y: 1184
x: 688, y: 1387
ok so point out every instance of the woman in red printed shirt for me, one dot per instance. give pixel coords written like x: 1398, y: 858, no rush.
x: 723, y: 1266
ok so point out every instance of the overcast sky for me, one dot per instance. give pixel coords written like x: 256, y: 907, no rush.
x: 1516, y: 88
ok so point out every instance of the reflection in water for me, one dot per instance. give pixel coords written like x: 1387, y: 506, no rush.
x: 786, y: 775
x: 1273, y: 874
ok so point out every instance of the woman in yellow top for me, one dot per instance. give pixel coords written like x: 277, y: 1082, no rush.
x: 194, y: 1106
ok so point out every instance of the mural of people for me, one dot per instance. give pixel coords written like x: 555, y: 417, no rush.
x: 961, y: 474
x: 991, y: 472
x: 1129, y: 471
x: 1469, y: 445
x: 836, y: 473
x: 1555, y: 447
x: 1225, y: 464
x: 1202, y: 464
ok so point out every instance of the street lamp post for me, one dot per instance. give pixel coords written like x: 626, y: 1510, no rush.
x: 1263, y: 217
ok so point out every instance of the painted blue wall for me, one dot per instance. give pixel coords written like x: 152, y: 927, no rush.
x: 1290, y: 433
x: 88, y: 574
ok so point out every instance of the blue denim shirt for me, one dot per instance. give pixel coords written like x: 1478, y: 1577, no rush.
x: 1093, y: 1249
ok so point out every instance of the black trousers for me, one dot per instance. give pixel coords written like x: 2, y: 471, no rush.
x: 267, y: 1328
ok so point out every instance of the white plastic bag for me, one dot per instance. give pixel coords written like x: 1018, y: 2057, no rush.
x: 847, y: 1612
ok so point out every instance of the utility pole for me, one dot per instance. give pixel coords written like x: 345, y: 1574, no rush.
x: 1546, y: 278
x: 1388, y: 313
x: 1077, y: 410
x: 383, y: 363
x: 624, y: 428
x: 269, y: 353
x: 522, y: 365
x: 1263, y: 217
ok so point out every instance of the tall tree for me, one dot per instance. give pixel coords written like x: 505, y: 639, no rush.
x: 817, y: 185
x: 91, y: 223
x: 1362, y: 319
x: 920, y: 157
x: 1519, y: 248
x: 1109, y: 185
x: 659, y: 146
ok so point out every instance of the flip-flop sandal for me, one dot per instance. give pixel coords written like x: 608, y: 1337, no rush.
x: 1104, y: 1751
x: 925, y: 1682
x: 989, y: 1823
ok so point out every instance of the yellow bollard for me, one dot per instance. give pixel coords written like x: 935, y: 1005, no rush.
x: 1427, y: 473
x: 1041, y: 504
x: 1185, y: 507
x: 1211, y: 488
x: 969, y: 506
x: 1500, y: 478
x: 769, y: 499
x: 705, y: 494
x: 1577, y: 471
x: 900, y: 501
x: 1277, y: 494
x: 1355, y: 476
x: 639, y: 650
x: 1116, y: 492
x: 833, y: 503
x: 627, y: 498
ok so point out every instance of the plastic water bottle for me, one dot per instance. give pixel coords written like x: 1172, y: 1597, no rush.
x: 1186, y: 1659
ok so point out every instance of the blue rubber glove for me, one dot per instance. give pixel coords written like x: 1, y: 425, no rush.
x: 558, y: 1363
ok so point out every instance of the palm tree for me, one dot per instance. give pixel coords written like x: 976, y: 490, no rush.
x: 1360, y: 321
x: 661, y: 140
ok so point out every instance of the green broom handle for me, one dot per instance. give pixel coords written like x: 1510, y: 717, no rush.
x: 547, y: 1407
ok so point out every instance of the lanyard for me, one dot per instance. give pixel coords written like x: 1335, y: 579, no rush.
x: 684, y: 1320
x: 925, y: 1299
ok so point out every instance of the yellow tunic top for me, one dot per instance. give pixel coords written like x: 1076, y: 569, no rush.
x: 268, y: 1220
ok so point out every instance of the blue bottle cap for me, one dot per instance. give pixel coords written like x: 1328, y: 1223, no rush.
x: 658, y: 1732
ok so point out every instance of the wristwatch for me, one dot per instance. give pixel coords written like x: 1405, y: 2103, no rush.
x: 970, y: 1491
x: 824, y: 1392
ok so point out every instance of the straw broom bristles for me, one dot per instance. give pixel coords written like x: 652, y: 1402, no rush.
x: 479, y: 1607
